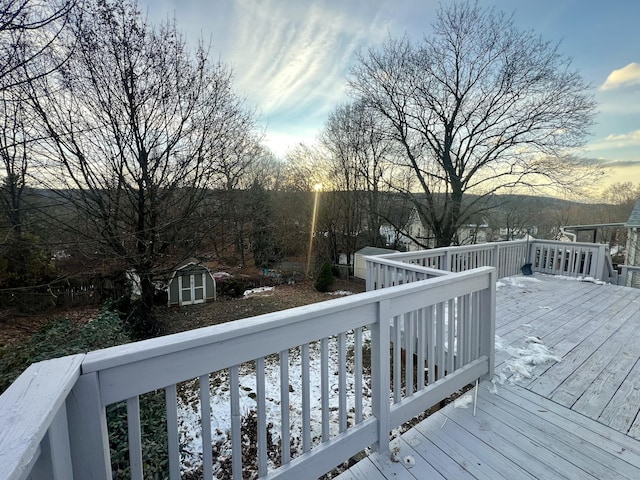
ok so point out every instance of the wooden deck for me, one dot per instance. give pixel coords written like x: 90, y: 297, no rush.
x: 577, y: 418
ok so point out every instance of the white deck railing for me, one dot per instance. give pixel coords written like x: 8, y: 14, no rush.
x: 572, y: 259
x: 53, y: 421
x: 630, y: 276
x: 544, y: 256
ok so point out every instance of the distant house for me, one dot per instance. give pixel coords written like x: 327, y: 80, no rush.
x: 473, y: 233
x: 415, y: 236
x: 190, y: 284
x: 420, y: 236
x: 511, y: 233
x: 360, y: 265
x: 393, y: 237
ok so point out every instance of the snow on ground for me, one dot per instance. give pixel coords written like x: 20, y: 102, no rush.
x: 341, y: 293
x: 189, y: 406
x: 580, y: 279
x: 254, y: 291
x: 522, y: 361
x: 518, y: 281
x: 591, y: 280
x: 464, y: 401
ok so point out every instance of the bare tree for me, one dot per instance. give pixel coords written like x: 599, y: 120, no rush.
x: 268, y: 170
x: 29, y: 29
x: 29, y: 32
x: 134, y: 121
x: 357, y: 160
x: 305, y: 168
x: 237, y: 142
x: 478, y: 107
x: 623, y: 195
x: 14, y: 153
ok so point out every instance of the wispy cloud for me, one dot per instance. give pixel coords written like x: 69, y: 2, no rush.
x: 291, y: 57
x: 626, y: 76
x: 627, y: 138
x: 623, y: 163
x: 608, y: 163
x: 616, y: 141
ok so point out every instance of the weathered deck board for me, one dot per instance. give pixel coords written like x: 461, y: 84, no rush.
x: 579, y: 346
x: 577, y: 418
x: 620, y: 346
x: 512, y: 436
x: 622, y: 410
x: 532, y: 303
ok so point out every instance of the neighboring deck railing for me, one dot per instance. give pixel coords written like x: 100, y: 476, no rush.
x: 572, y: 259
x: 53, y: 418
x: 630, y: 276
x: 544, y: 256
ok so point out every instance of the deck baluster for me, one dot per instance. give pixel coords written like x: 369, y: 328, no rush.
x: 205, y: 425
x: 285, y: 424
x: 409, y: 336
x: 171, y: 399
x: 262, y: 417
x: 306, y: 399
x: 135, y: 438
x: 324, y: 385
x: 358, y: 373
x: 397, y: 360
x: 342, y: 381
x: 236, y: 422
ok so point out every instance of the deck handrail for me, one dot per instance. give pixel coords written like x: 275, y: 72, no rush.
x: 451, y: 317
x: 574, y: 259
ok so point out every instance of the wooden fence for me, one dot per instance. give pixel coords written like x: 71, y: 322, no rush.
x: 61, y: 294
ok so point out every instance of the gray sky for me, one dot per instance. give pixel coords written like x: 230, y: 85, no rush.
x: 290, y: 57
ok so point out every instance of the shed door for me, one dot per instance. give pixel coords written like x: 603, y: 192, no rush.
x: 192, y: 288
x: 197, y: 287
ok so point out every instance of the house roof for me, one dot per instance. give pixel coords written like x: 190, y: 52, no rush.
x: 375, y: 251
x: 634, y: 218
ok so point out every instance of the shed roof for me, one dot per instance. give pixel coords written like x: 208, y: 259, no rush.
x: 634, y: 218
x: 192, y: 264
x: 375, y: 251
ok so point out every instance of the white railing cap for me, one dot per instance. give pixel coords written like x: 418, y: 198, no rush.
x: 27, y: 409
x: 131, y: 352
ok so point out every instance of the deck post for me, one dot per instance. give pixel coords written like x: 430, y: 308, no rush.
x: 369, y: 266
x: 600, y: 273
x: 380, y: 374
x: 88, y: 433
x: 622, y: 279
x: 488, y: 322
